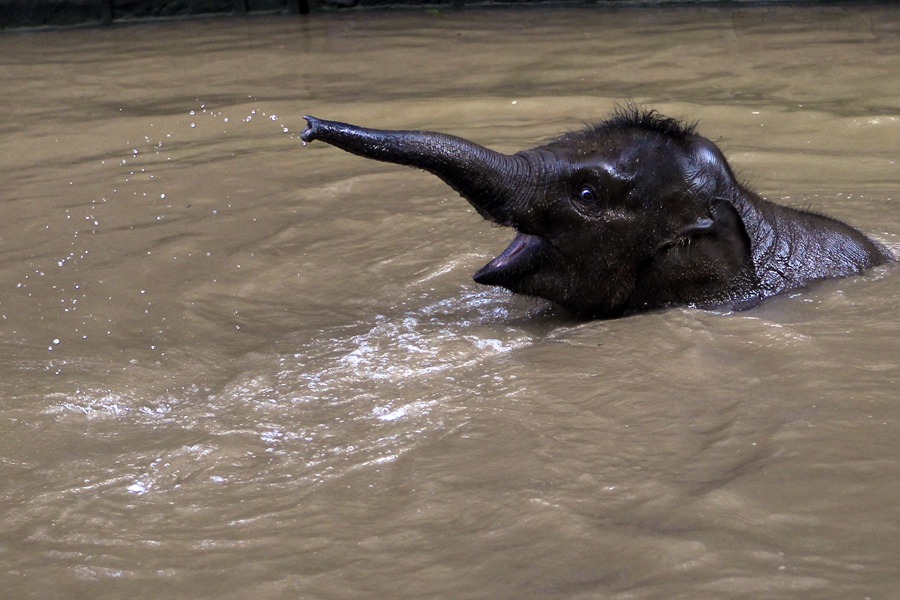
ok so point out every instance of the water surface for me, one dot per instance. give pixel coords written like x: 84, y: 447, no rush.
x: 232, y: 366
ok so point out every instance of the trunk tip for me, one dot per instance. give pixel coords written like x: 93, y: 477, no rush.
x: 309, y: 134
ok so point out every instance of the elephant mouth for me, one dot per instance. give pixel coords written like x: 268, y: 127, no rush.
x: 520, y: 259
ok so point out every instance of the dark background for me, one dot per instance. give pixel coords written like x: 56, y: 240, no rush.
x: 64, y: 13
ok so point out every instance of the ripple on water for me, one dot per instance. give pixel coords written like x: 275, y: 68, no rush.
x: 341, y: 399
x: 364, y: 394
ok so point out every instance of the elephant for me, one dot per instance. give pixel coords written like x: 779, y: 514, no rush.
x: 635, y: 213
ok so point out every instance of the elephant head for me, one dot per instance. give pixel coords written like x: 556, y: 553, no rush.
x: 634, y: 213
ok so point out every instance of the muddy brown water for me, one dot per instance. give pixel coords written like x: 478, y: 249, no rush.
x: 232, y: 366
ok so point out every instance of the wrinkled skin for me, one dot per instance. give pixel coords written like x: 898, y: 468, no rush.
x: 633, y: 214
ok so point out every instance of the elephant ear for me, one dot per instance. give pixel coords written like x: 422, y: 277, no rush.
x: 719, y: 239
x: 709, y: 262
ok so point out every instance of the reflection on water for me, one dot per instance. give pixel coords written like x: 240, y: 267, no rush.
x: 235, y: 366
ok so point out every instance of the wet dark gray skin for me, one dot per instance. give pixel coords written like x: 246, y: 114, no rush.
x: 633, y: 214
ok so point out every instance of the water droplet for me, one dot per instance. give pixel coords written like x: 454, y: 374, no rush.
x: 138, y: 488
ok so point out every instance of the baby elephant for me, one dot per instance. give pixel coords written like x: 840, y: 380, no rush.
x: 633, y: 214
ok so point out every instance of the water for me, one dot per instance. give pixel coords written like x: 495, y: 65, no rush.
x: 232, y: 366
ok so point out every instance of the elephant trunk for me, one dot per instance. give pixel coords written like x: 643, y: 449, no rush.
x: 492, y: 182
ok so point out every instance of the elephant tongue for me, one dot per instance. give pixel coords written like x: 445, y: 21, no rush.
x: 514, y: 263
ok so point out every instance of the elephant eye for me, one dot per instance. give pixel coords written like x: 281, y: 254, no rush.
x: 587, y: 194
